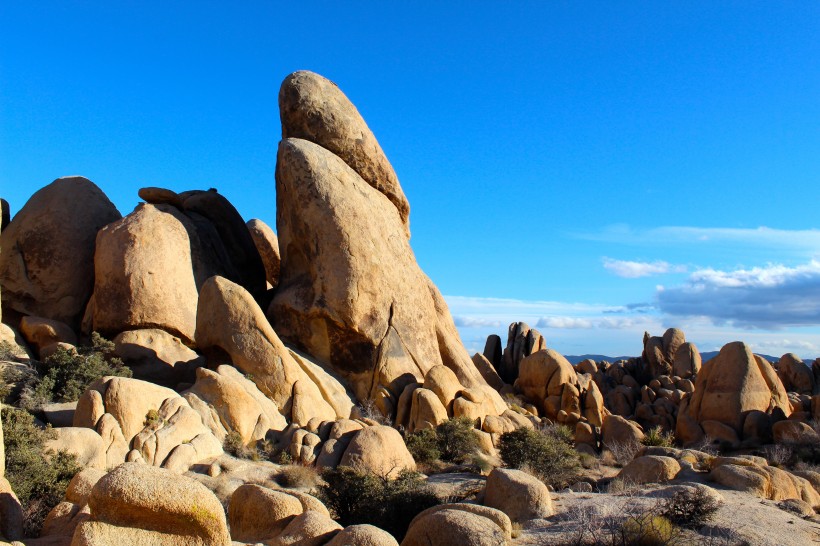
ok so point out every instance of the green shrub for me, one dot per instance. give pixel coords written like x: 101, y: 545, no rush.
x: 151, y: 418
x: 423, y: 446
x: 453, y: 441
x: 545, y: 453
x: 65, y: 375
x: 39, y: 484
x: 457, y: 439
x: 647, y: 530
x: 692, y: 508
x: 356, y: 497
x: 656, y: 436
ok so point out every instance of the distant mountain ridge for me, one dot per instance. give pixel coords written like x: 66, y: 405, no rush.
x: 575, y: 359
x: 708, y: 355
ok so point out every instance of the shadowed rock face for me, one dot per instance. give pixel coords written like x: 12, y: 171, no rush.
x: 47, y: 258
x: 240, y: 260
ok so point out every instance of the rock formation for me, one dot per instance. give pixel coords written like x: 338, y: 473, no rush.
x: 728, y: 389
x: 46, y: 262
x: 350, y: 292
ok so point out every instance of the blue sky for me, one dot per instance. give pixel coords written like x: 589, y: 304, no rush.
x: 598, y: 169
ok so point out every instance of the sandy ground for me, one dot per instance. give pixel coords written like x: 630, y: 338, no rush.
x: 741, y: 519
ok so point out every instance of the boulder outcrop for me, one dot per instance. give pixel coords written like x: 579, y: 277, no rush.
x: 268, y: 246
x: 237, y: 403
x: 313, y: 108
x: 140, y: 421
x: 229, y: 319
x: 459, y: 523
x: 519, y: 495
x: 350, y: 292
x: 144, y: 274
x: 140, y: 504
x: 728, y: 388
x: 47, y: 256
x: 795, y: 375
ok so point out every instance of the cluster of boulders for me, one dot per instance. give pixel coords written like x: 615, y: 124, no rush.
x: 255, y: 341
x: 322, y: 341
x: 140, y: 504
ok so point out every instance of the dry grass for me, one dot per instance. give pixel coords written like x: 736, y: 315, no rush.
x: 296, y: 476
x: 621, y: 454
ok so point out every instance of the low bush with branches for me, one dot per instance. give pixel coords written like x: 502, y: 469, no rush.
x: 65, y: 375
x: 356, y: 497
x: 453, y: 441
x: 37, y: 475
x: 546, y: 453
x: 657, y: 437
x: 691, y: 507
x: 622, y: 453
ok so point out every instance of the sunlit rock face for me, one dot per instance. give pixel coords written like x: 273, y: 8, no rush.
x: 350, y: 291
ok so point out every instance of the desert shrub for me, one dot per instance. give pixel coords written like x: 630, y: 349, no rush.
x: 423, y: 446
x: 40, y: 484
x: 480, y: 463
x: 656, y: 436
x: 356, y: 497
x: 647, y: 530
x: 234, y: 445
x: 151, y: 418
x: 368, y: 410
x: 457, y: 439
x: 7, y: 351
x: 454, y: 441
x: 545, y: 453
x: 690, y: 507
x: 589, y: 462
x: 282, y: 457
x: 65, y: 375
x: 778, y: 454
x: 297, y: 476
x: 623, y: 452
x: 707, y: 444
x: 560, y: 432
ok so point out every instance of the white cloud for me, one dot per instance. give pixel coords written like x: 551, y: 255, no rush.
x: 770, y: 297
x: 761, y: 237
x: 784, y: 345
x: 564, y: 323
x: 476, y: 322
x: 634, y: 270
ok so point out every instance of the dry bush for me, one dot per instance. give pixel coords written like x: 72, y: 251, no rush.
x: 623, y: 487
x: 778, y: 454
x: 656, y: 436
x: 233, y: 445
x: 296, y: 476
x: 629, y: 520
x: 623, y: 452
x: 368, y: 410
x: 625, y: 523
x: 691, y: 508
x: 707, y: 444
